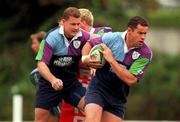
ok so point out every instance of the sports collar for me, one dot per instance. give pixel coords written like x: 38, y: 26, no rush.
x: 61, y: 31
x: 123, y: 35
x: 92, y: 30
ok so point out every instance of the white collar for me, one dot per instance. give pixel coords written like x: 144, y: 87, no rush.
x: 125, y: 45
x: 61, y: 31
x: 92, y: 30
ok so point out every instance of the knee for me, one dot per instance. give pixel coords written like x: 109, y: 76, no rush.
x: 90, y: 118
x: 41, y: 115
x: 93, y: 113
x: 81, y: 104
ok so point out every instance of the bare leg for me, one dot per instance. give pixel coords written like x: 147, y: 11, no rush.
x: 81, y: 104
x: 93, y: 113
x: 41, y: 115
x: 109, y: 117
x: 54, y: 114
x: 53, y: 118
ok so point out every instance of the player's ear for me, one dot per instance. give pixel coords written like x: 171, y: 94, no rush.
x: 129, y: 29
x: 61, y: 22
x: 83, y: 22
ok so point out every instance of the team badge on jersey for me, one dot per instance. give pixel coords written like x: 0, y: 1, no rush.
x: 135, y: 55
x: 76, y: 44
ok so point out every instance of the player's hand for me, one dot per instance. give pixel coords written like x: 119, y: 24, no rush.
x: 93, y: 72
x: 57, y: 84
x: 92, y: 62
x: 107, y: 53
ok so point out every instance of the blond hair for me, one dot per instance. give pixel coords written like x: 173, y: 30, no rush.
x: 87, y: 16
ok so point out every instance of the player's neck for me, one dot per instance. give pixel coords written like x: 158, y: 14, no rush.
x: 87, y: 28
x: 128, y: 42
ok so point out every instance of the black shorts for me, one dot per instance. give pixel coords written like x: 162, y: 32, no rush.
x: 47, y: 97
x: 96, y: 94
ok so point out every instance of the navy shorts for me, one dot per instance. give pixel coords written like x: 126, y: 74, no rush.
x: 47, y: 97
x: 96, y: 94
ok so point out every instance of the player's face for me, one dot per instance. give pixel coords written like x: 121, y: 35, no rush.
x: 35, y: 45
x: 138, y: 35
x: 83, y: 25
x: 71, y: 26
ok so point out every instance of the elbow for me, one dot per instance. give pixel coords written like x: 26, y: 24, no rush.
x: 40, y: 64
x: 131, y: 81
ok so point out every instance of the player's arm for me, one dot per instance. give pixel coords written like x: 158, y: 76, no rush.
x: 43, y: 57
x: 124, y: 74
x: 44, y: 71
x: 46, y: 74
x: 86, y: 58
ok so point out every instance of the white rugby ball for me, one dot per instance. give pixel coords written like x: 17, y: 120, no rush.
x: 96, y: 54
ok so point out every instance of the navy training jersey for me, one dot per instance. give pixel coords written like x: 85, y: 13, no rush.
x: 61, y: 55
x: 135, y: 60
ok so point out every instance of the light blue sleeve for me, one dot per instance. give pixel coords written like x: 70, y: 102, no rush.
x: 115, y: 43
x: 51, y: 40
x: 110, y: 38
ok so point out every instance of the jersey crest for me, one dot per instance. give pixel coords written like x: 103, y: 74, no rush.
x: 135, y: 55
x: 76, y: 44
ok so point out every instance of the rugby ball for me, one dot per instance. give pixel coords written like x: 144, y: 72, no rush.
x: 96, y: 54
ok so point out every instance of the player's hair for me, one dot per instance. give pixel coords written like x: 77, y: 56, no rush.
x: 86, y: 15
x: 71, y: 12
x: 39, y: 36
x: 134, y: 21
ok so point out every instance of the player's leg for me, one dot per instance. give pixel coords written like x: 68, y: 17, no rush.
x: 46, y: 99
x: 54, y: 114
x: 81, y: 104
x: 94, y: 103
x: 45, y: 115
x: 114, y: 110
x: 94, y: 107
x: 93, y: 112
x: 75, y: 95
x: 41, y: 115
x: 109, y: 117
x: 53, y: 118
